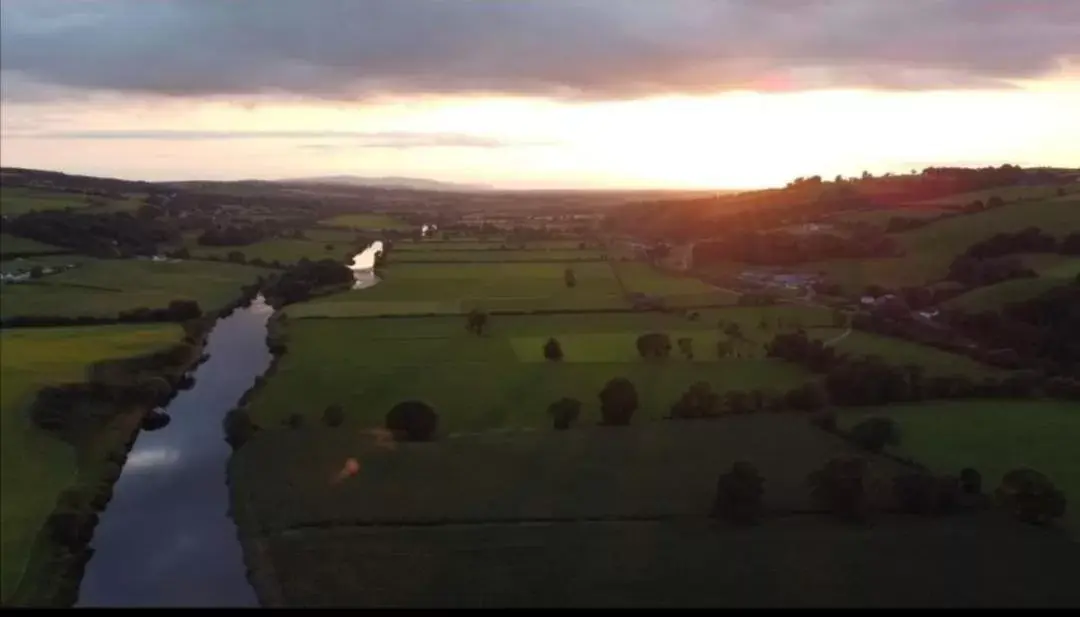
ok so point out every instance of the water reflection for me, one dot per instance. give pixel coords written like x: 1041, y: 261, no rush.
x: 151, y: 458
x: 363, y: 266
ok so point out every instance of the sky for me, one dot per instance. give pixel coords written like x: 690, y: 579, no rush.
x: 531, y: 94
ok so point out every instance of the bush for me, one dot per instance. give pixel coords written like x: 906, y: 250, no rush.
x: 412, y: 421
x: 840, y: 488
x: 699, y: 401
x: 294, y: 421
x: 874, y: 434
x: 618, y: 402
x: 333, y: 416
x: 654, y: 345
x: 686, y: 346
x: 564, y: 412
x: 1029, y: 496
x: 238, y: 427
x: 739, y: 495
x: 553, y: 350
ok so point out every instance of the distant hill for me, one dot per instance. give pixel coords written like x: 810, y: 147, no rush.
x: 419, y: 184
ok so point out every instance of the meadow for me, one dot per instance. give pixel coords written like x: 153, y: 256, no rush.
x: 367, y: 222
x: 500, y: 379
x: 498, y: 256
x: 36, y: 467
x: 994, y: 437
x: 476, y: 245
x: 106, y: 287
x: 899, y: 352
x: 1008, y: 194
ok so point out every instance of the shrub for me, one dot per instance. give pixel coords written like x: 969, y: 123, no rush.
x: 698, y: 401
x: 840, y: 488
x: 412, y: 421
x: 1029, y: 496
x: 564, y: 412
x: 686, y: 346
x: 333, y: 416
x: 739, y: 495
x: 874, y: 434
x: 618, y: 402
x: 553, y: 350
x: 654, y: 345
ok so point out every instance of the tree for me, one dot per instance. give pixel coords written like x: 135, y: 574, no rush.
x: 294, y: 421
x: 995, y: 202
x: 698, y: 401
x: 686, y: 346
x: 739, y: 495
x: 618, y: 402
x: 238, y: 427
x: 553, y: 350
x: 926, y: 494
x: 412, y: 421
x: 654, y: 345
x: 840, y: 487
x: 183, y: 310
x: 1029, y: 496
x: 153, y: 390
x: 874, y: 434
x: 564, y: 412
x: 333, y: 416
x: 733, y: 330
x: 568, y: 276
x: 723, y: 348
x: 970, y: 481
x: 737, y: 401
x: 825, y: 420
x: 839, y: 319
x: 476, y: 321
x: 36, y: 272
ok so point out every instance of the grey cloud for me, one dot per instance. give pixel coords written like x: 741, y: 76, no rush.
x: 353, y: 49
x: 341, y: 139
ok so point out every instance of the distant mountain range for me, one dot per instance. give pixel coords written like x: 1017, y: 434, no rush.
x: 419, y: 184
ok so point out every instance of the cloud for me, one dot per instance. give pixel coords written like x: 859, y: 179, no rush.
x: 342, y: 139
x: 355, y: 49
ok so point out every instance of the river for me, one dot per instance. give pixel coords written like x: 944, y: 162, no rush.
x: 166, y: 538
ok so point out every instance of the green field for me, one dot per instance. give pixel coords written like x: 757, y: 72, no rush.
x: 467, y: 245
x: 477, y: 383
x: 457, y: 288
x: 20, y: 200
x: 283, y: 250
x: 1008, y: 194
x: 995, y: 437
x: 367, y: 221
x: 497, y: 256
x: 36, y: 466
x: 106, y: 287
x: 899, y: 352
x: 1054, y: 271
x: 15, y: 244
x: 929, y: 250
x: 607, y: 517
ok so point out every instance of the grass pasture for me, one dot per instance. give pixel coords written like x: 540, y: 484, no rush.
x: 994, y: 437
x: 1054, y: 271
x: 608, y: 517
x: 1008, y: 194
x: 498, y: 381
x: 367, y: 222
x: 20, y: 200
x: 457, y: 288
x: 899, y: 352
x: 106, y: 287
x: 15, y: 244
x: 477, y: 245
x: 36, y: 467
x: 497, y: 256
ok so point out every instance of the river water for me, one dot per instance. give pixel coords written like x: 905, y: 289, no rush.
x: 166, y: 538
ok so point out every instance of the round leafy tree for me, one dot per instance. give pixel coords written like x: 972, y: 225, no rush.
x: 618, y: 402
x: 412, y: 421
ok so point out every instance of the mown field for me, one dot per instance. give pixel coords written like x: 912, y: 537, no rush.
x: 284, y: 250
x: 367, y: 221
x: 474, y: 245
x: 15, y: 244
x: 609, y: 517
x: 35, y: 466
x: 929, y: 250
x: 643, y: 278
x: 106, y: 287
x: 1054, y: 271
x: 418, y: 289
x: 498, y: 256
x: 994, y: 437
x: 499, y: 380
